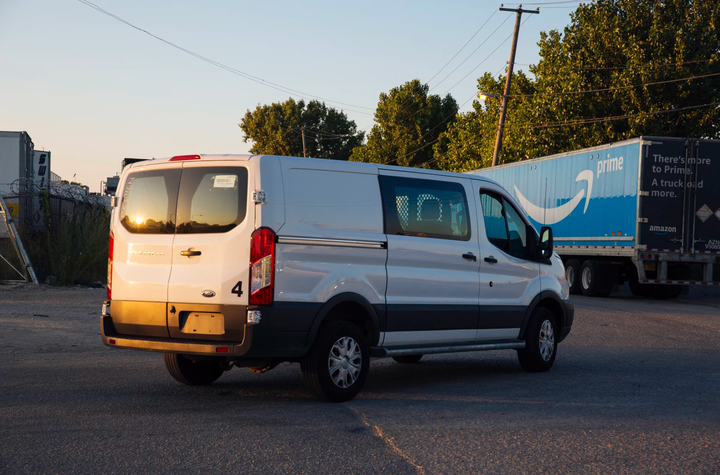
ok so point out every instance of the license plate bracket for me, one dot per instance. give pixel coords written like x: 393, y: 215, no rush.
x: 202, y: 323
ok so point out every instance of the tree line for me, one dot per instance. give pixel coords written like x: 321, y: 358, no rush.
x: 620, y: 69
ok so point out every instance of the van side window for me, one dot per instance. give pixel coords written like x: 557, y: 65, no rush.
x: 425, y: 208
x: 504, y: 226
x: 149, y: 201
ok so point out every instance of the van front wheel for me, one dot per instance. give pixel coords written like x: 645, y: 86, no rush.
x: 337, y: 365
x: 193, y: 372
x: 540, y: 349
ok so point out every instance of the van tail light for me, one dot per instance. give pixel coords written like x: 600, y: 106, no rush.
x: 262, y: 266
x: 110, y: 266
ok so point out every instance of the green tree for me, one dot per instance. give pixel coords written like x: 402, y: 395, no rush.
x: 602, y: 67
x: 276, y: 129
x: 619, y: 45
x: 469, y: 142
x: 407, y: 122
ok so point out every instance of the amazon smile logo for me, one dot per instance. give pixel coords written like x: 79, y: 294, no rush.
x: 554, y: 215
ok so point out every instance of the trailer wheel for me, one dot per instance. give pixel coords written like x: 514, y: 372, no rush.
x: 572, y: 274
x: 592, y: 280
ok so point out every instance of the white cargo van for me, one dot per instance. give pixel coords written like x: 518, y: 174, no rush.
x: 244, y: 260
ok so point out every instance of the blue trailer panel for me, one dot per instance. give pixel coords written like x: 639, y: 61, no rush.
x: 643, y: 211
x: 585, y: 196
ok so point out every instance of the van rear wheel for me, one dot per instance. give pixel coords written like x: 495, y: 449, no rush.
x: 193, y: 372
x: 540, y: 349
x: 337, y: 365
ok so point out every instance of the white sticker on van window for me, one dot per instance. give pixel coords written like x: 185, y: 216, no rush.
x: 224, y: 181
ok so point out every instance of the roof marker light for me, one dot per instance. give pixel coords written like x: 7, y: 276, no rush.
x: 185, y: 157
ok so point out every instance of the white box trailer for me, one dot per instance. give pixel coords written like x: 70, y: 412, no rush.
x: 16, y: 171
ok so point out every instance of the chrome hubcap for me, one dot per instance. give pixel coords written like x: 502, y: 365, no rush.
x: 586, y: 278
x: 547, y: 340
x: 344, y: 362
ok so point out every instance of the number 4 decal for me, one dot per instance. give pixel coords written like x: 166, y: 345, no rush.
x: 237, y: 289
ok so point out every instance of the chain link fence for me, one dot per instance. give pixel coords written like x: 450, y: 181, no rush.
x: 64, y: 230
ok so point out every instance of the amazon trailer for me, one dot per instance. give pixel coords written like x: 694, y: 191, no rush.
x: 644, y: 211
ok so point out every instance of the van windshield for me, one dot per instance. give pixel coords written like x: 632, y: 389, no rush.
x: 190, y: 200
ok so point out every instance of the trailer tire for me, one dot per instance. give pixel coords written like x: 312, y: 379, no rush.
x: 572, y: 274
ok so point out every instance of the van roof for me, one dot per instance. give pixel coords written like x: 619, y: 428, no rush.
x: 327, y: 164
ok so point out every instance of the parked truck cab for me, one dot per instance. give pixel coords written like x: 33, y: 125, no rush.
x: 250, y: 261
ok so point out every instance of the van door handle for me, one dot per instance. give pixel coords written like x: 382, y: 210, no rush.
x: 190, y: 253
x: 470, y: 256
x: 491, y: 260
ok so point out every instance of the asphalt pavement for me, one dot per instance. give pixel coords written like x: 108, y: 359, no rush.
x: 635, y: 389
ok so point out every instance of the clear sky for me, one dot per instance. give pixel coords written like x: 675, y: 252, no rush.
x: 94, y: 90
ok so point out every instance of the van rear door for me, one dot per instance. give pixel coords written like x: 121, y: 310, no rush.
x: 143, y: 236
x: 209, y: 281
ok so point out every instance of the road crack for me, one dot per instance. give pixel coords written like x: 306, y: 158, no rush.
x: 390, y: 443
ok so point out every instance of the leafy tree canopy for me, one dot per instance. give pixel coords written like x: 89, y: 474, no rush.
x: 407, y: 122
x: 597, y: 82
x: 275, y: 129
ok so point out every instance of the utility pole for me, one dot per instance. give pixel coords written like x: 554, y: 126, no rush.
x: 506, y: 97
x: 303, y: 138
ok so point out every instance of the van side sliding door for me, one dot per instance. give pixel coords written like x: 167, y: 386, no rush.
x: 433, y: 259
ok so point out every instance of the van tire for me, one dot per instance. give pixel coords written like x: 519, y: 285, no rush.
x: 408, y: 359
x: 336, y: 337
x: 572, y: 274
x: 193, y: 372
x: 541, y: 328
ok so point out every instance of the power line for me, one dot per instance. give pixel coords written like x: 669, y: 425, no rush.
x: 470, y: 55
x: 488, y: 57
x: 463, y: 47
x: 611, y: 118
x: 230, y: 69
x: 546, y: 3
x: 661, y: 65
x: 618, y: 88
x: 387, y: 162
x: 588, y: 121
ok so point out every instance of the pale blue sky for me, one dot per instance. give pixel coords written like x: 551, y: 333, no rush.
x: 93, y: 90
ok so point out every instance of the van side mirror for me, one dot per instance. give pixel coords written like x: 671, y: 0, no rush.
x: 545, y: 247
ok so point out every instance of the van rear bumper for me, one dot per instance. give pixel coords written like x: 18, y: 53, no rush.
x: 113, y: 339
x: 259, y: 341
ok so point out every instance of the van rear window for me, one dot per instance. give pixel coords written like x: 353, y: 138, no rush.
x: 149, y: 201
x: 183, y: 201
x: 211, y: 200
